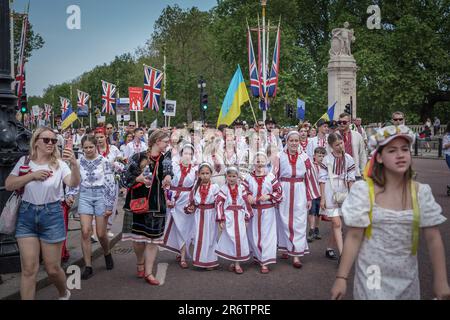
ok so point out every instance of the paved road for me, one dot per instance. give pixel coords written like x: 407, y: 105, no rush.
x: 313, y: 281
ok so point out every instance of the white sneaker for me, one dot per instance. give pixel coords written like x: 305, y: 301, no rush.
x: 66, y: 297
x: 110, y: 234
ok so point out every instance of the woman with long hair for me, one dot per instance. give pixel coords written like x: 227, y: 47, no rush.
x: 40, y: 223
x: 149, y: 181
x: 385, y: 215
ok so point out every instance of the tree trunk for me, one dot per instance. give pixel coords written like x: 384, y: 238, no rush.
x: 426, y: 111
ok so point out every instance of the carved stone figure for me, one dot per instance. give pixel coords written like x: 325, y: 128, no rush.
x: 341, y: 39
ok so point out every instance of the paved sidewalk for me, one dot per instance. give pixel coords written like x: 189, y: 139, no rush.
x: 10, y: 288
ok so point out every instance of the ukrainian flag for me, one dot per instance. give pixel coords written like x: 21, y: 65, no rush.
x: 68, y: 118
x: 236, y: 96
x: 329, y: 115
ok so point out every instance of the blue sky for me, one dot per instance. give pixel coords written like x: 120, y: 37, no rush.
x: 108, y: 28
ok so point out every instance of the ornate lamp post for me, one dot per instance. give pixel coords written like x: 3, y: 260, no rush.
x: 14, y: 138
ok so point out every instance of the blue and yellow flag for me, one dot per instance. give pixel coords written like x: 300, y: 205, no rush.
x: 329, y: 115
x: 236, y: 96
x: 68, y: 118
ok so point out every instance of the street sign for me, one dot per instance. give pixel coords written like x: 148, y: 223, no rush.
x: 170, y: 108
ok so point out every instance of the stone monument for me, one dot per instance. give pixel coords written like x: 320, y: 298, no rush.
x: 342, y: 71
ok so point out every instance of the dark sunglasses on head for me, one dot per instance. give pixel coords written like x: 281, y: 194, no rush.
x: 343, y: 122
x: 398, y: 119
x: 47, y: 140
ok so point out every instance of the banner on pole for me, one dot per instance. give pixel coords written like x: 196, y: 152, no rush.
x: 101, y: 119
x: 36, y: 110
x: 170, y: 108
x: 122, y: 106
x: 136, y: 103
x: 123, y: 117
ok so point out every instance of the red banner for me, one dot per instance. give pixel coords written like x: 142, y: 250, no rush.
x: 135, y: 95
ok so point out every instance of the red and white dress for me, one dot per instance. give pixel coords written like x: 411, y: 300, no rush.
x: 262, y: 229
x: 180, y: 226
x: 234, y: 211
x: 299, y: 186
x: 205, y: 242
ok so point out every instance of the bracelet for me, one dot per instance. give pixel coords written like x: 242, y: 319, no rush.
x: 339, y: 277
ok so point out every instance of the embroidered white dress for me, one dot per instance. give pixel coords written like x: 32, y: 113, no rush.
x: 343, y: 170
x: 299, y: 187
x: 205, y: 242
x: 233, y: 241
x: 389, y: 248
x: 262, y: 228
x: 180, y: 226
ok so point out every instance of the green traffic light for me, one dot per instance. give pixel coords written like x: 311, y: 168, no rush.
x: 23, y: 109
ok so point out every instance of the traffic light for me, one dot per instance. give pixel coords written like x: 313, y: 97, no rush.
x: 23, y: 104
x: 348, y: 109
x: 204, y: 104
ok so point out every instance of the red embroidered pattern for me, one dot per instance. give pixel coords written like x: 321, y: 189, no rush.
x: 204, y: 190
x: 234, y: 193
x: 304, y: 144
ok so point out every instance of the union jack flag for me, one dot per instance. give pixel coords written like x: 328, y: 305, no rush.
x: 152, y: 87
x: 83, y: 99
x: 47, y: 111
x: 108, y: 97
x: 272, y: 82
x: 65, y: 103
x: 253, y: 68
x: 20, y: 77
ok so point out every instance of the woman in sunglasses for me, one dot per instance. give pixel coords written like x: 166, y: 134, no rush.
x: 40, y: 222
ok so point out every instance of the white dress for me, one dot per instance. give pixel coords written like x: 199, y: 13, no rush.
x: 342, y: 171
x: 389, y: 248
x: 180, y: 226
x: 205, y: 243
x: 262, y: 228
x: 298, y: 186
x: 233, y: 242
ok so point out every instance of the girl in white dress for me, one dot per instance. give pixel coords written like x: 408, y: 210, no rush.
x: 299, y: 188
x: 180, y: 226
x: 201, y: 204
x: 233, y: 213
x: 264, y: 194
x: 342, y: 168
x: 384, y: 215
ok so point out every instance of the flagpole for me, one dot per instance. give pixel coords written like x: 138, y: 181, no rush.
x: 70, y: 99
x: 90, y: 113
x: 263, y: 3
x: 164, y: 77
x: 253, y: 112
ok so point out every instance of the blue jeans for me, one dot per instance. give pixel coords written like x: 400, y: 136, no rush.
x: 447, y: 158
x: 45, y: 222
x: 92, y: 201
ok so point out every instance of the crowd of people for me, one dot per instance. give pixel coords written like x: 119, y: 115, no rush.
x: 236, y: 193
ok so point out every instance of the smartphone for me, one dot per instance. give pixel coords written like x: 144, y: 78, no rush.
x: 69, y: 144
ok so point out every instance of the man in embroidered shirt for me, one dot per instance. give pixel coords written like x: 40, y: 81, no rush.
x: 135, y: 146
x: 353, y: 143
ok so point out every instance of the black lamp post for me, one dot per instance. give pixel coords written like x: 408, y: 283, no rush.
x: 14, y: 138
x: 202, y: 85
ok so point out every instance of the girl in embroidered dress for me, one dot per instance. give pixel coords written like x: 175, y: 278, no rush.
x: 299, y: 188
x: 303, y: 143
x: 114, y: 156
x: 97, y: 195
x: 385, y: 214
x: 180, y: 226
x: 233, y: 213
x: 264, y: 192
x: 201, y: 204
x: 336, y: 175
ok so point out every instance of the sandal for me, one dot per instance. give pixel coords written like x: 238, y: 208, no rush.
x: 150, y: 279
x: 178, y: 258
x: 238, y: 270
x: 297, y: 264
x: 183, y: 264
x: 140, y: 271
x: 264, y: 269
x: 232, y: 268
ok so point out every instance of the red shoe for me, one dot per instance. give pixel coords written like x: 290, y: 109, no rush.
x: 178, y: 258
x: 183, y: 264
x: 140, y: 272
x: 265, y: 269
x: 238, y: 270
x: 151, y: 280
x: 297, y: 264
x: 232, y: 268
x: 284, y: 256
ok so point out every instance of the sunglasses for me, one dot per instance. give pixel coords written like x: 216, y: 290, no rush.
x: 343, y: 122
x: 48, y: 140
x: 109, y: 128
x: 398, y: 119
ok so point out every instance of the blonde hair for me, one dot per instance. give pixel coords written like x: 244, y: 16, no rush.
x: 155, y: 136
x: 54, y: 157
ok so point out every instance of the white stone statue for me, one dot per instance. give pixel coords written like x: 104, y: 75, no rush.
x: 341, y: 39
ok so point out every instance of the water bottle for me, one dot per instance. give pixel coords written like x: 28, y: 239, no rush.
x: 147, y: 176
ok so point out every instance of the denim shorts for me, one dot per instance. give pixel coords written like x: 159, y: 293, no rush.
x: 315, y: 207
x: 92, y: 201
x: 45, y: 222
